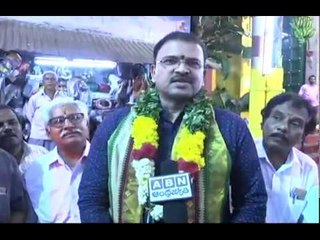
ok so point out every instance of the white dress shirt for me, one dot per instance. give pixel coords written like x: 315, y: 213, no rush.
x: 34, y: 113
x: 30, y: 153
x: 53, y: 187
x: 297, y: 175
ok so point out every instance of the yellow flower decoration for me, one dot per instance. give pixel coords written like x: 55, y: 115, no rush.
x: 190, y: 147
x: 189, y: 144
x: 144, y: 130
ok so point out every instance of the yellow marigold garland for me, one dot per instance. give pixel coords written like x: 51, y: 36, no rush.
x: 190, y: 142
x: 190, y: 147
x: 144, y: 130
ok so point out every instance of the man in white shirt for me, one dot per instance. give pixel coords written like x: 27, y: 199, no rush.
x: 291, y: 177
x: 33, y: 109
x: 53, y: 179
x: 11, y: 139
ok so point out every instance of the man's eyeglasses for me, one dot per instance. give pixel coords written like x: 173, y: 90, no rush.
x: 58, y: 122
x: 174, y: 61
x: 51, y: 79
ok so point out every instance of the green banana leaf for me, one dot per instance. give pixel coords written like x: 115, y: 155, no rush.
x: 222, y: 36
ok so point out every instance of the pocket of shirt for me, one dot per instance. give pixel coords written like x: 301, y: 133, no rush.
x: 297, y: 207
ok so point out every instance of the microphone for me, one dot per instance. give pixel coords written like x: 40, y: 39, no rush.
x: 174, y: 211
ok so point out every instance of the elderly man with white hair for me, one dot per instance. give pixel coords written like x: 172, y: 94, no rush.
x: 50, y: 91
x: 53, y: 179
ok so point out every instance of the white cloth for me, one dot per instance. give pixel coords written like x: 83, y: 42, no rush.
x: 298, y: 172
x: 30, y: 153
x: 53, y: 187
x: 34, y: 113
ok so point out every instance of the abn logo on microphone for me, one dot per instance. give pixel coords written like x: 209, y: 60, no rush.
x: 170, y: 187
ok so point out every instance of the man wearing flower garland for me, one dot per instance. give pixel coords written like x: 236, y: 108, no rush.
x: 173, y: 124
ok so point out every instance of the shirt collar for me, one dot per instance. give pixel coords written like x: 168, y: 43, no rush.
x: 55, y: 94
x: 26, y: 150
x: 42, y: 91
x: 165, y: 115
x: 260, y: 149
x: 86, y: 151
x: 292, y: 158
x: 56, y: 158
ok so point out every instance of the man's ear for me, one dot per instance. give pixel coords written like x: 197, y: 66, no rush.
x: 153, y: 70
x: 48, y: 131
x: 204, y: 78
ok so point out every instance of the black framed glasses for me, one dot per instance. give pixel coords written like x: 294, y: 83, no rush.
x: 74, y: 118
x: 175, y: 61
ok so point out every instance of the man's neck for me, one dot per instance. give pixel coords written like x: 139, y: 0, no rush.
x: 71, y: 155
x: 17, y: 152
x: 174, y: 108
x: 276, y: 158
x: 50, y: 93
x: 313, y: 84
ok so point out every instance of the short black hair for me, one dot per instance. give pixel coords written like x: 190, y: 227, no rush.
x: 312, y: 76
x: 22, y: 120
x: 138, y: 70
x: 182, y: 36
x: 297, y: 102
x: 13, y: 52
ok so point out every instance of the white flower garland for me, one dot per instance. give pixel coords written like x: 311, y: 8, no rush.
x: 144, y: 169
x: 157, y: 212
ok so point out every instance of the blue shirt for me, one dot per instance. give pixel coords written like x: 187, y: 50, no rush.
x: 248, y: 191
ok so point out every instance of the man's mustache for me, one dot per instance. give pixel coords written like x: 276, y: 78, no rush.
x: 7, y: 136
x: 280, y: 135
x: 184, y: 78
x: 66, y: 133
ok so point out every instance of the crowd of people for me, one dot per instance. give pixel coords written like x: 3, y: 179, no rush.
x: 157, y: 132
